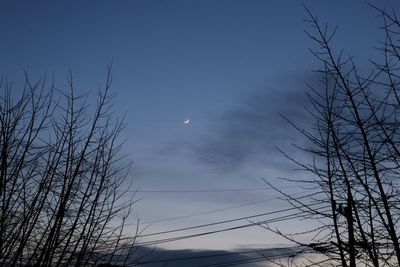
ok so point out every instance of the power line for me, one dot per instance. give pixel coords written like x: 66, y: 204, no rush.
x: 217, y: 190
x: 273, y: 220
x: 210, y: 211
x: 215, y: 210
x: 205, y: 190
x: 224, y: 221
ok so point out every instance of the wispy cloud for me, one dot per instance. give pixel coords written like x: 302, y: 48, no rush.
x: 254, y: 127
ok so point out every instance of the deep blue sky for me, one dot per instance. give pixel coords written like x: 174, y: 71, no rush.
x: 230, y: 66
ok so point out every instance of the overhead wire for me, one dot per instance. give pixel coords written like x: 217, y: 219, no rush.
x: 215, y: 210
x: 224, y: 221
x: 209, y: 211
x: 272, y: 220
x: 205, y: 190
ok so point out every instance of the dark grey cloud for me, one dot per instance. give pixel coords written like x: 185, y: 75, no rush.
x: 254, y: 127
x: 254, y: 258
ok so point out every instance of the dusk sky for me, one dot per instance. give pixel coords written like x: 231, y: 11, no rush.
x: 230, y: 67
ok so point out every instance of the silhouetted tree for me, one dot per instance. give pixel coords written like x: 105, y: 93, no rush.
x: 61, y: 178
x: 355, y: 147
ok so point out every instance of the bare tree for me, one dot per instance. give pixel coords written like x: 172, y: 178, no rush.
x: 355, y: 150
x: 61, y: 178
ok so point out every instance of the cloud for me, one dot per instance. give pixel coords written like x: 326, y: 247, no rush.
x: 254, y: 127
x: 252, y: 257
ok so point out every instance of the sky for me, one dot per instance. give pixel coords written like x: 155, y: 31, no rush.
x: 230, y: 66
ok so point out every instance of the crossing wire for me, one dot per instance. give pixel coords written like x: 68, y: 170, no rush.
x: 273, y: 220
x: 224, y: 221
x: 209, y: 211
x: 215, y: 210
